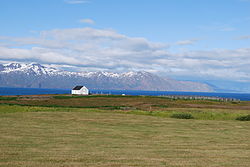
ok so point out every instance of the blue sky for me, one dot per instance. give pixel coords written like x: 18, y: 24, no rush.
x: 217, y: 22
x: 189, y: 39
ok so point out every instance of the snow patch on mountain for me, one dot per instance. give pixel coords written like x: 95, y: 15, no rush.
x: 38, y: 69
x: 31, y: 68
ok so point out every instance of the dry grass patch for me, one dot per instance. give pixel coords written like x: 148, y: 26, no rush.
x: 83, y: 138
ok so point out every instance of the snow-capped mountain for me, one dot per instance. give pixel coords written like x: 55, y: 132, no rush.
x: 32, y: 68
x: 38, y: 76
x: 38, y: 69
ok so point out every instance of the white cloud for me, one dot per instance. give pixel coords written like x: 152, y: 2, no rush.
x: 88, y: 21
x: 104, y: 49
x: 80, y: 34
x: 187, y: 42
x: 76, y: 1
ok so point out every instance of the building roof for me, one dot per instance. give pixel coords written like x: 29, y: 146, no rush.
x: 77, y: 88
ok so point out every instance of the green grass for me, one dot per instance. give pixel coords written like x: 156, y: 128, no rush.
x: 182, y: 116
x: 57, y: 137
x: 19, y: 108
x: 91, y: 96
x: 200, y: 114
x: 145, y: 103
x: 160, y: 105
x: 243, y: 118
x: 66, y: 107
x: 7, y: 98
x: 68, y: 97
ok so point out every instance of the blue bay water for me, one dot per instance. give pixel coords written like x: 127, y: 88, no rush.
x: 38, y: 91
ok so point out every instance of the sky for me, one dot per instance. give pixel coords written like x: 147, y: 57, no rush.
x: 196, y: 40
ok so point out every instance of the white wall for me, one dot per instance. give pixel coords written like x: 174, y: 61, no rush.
x: 83, y: 91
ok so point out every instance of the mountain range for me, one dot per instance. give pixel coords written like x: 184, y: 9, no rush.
x: 35, y: 75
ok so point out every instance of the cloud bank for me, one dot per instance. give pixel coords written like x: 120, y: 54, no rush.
x: 106, y: 50
x: 187, y: 42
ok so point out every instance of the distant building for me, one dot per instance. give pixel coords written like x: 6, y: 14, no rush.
x: 80, y: 90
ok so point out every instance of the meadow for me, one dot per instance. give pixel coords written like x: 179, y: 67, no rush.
x: 122, y: 131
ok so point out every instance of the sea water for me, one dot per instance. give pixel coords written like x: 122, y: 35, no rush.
x: 38, y: 91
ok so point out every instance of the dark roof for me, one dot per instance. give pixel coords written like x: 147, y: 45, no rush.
x: 77, y: 88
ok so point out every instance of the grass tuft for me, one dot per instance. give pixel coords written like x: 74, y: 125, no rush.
x: 182, y: 116
x: 243, y: 118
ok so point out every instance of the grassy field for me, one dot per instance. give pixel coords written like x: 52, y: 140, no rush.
x: 113, y: 133
x: 116, y: 102
x: 139, y: 105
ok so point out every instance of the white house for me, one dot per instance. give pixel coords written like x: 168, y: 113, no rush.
x: 80, y: 90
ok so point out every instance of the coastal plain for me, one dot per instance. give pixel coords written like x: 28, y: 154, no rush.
x: 109, y: 130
